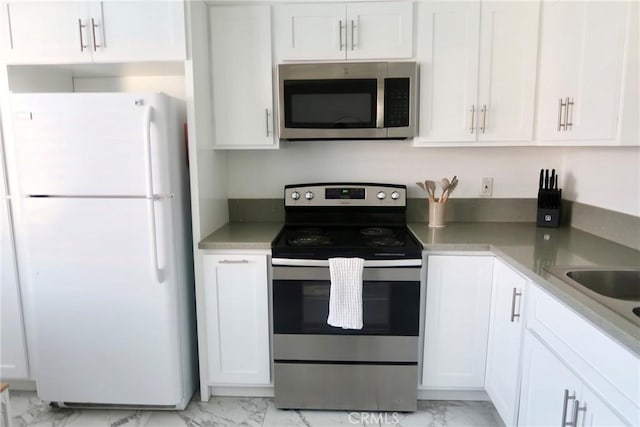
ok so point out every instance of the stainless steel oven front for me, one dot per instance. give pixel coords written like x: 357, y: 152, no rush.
x: 318, y: 366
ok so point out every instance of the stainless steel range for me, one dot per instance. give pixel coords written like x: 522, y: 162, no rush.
x: 319, y: 366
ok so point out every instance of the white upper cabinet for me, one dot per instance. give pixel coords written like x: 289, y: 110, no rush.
x: 241, y: 73
x: 338, y: 31
x: 456, y: 321
x: 582, y: 47
x: 42, y: 32
x: 478, y: 70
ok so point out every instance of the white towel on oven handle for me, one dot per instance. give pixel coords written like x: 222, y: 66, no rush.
x: 345, y: 298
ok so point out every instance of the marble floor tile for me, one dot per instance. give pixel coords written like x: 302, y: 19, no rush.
x: 30, y: 411
x: 314, y: 418
x: 463, y: 414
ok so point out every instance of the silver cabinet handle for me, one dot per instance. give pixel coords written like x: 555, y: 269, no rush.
x: 565, y: 405
x: 266, y: 116
x: 80, y: 27
x: 561, y: 105
x: 340, y: 32
x: 233, y: 261
x: 576, y: 410
x: 484, y: 117
x: 515, y: 294
x: 568, y: 116
x: 93, y: 33
x: 473, y: 116
x: 353, y: 40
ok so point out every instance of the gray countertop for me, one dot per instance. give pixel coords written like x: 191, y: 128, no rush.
x: 242, y: 235
x: 530, y: 249
x: 524, y: 246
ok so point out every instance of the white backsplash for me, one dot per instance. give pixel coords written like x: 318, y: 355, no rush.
x: 604, y: 177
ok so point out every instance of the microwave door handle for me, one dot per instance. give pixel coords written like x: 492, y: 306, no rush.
x: 380, y: 104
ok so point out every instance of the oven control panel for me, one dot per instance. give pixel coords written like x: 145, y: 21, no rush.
x: 345, y: 194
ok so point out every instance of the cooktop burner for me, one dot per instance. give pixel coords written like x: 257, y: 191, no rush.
x: 376, y: 231
x: 306, y: 237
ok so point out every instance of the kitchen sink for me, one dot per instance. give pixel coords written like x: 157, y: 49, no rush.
x: 617, y: 288
x: 621, y: 284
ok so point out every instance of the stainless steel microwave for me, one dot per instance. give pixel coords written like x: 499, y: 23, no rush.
x: 365, y: 100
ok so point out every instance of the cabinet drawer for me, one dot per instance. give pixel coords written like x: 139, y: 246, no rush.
x: 608, y: 368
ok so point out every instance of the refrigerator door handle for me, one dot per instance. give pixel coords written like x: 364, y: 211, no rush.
x: 148, y: 112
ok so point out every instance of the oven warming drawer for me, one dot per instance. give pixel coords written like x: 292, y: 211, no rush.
x: 346, y: 348
x: 361, y: 387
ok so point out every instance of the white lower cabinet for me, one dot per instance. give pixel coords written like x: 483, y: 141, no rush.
x: 505, y: 336
x: 549, y: 388
x: 553, y: 395
x: 571, y: 369
x: 237, y: 312
x: 456, y: 321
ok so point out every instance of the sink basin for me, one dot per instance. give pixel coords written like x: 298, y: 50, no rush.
x: 621, y: 284
x: 617, y: 288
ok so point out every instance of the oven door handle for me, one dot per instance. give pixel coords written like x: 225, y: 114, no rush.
x: 325, y: 263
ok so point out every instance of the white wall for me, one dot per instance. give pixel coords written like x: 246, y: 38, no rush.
x: 604, y: 177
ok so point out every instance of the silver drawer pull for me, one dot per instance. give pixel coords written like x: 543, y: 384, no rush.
x: 93, y: 32
x: 576, y: 409
x: 515, y: 294
x: 561, y: 105
x: 473, y: 116
x: 234, y: 261
x: 80, y: 27
x: 568, y: 115
x: 565, y: 405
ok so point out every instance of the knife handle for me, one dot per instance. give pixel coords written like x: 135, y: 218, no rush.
x: 541, y: 179
x: 546, y: 179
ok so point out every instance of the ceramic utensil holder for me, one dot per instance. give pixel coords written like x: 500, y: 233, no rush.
x: 549, y: 202
x: 436, y: 214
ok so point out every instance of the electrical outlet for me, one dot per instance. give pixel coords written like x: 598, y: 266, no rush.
x: 487, y: 187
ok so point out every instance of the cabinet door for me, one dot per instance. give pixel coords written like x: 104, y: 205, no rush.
x: 456, y: 321
x: 242, y: 77
x: 13, y: 352
x: 447, y: 49
x: 379, y: 30
x: 597, y: 413
x: 507, y: 76
x: 581, y: 57
x: 505, y: 332
x: 545, y: 379
x: 236, y: 292
x: 311, y: 31
x: 137, y: 30
x: 45, y: 32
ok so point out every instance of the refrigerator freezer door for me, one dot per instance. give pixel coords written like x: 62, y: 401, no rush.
x: 106, y: 320
x: 91, y: 144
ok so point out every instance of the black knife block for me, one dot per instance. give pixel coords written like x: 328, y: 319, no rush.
x: 549, y: 202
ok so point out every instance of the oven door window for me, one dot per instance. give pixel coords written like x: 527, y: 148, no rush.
x: 388, y: 308
x: 330, y: 104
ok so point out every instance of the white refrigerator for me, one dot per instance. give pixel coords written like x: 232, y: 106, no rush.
x: 13, y: 347
x: 106, y: 234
